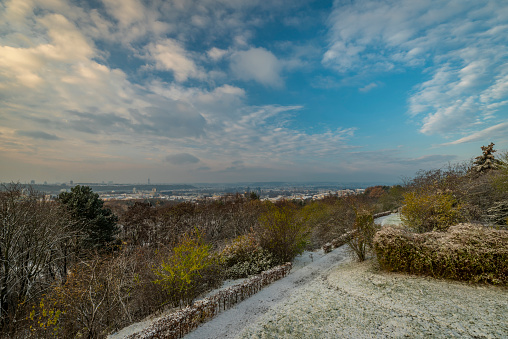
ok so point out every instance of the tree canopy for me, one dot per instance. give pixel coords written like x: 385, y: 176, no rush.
x: 98, y: 223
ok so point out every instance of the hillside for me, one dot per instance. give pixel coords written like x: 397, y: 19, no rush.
x: 331, y: 296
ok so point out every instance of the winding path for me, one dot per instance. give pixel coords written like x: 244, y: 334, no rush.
x: 231, y: 322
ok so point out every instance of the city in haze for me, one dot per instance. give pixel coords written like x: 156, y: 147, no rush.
x: 248, y: 91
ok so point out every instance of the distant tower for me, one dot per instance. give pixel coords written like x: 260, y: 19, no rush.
x: 32, y: 182
x: 148, y: 181
x: 72, y: 182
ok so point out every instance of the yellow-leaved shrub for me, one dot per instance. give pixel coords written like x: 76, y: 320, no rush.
x: 188, y: 270
x: 430, y: 211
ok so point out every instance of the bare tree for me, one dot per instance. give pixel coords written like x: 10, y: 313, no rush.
x: 33, y: 234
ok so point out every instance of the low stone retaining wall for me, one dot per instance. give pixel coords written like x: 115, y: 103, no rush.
x: 381, y: 214
x: 178, y: 324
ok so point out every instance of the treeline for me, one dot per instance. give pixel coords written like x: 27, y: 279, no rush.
x: 73, y: 268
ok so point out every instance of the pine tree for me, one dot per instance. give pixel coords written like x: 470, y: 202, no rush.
x: 486, y: 161
x: 98, y: 223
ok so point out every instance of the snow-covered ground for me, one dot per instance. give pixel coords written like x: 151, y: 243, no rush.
x: 391, y: 219
x: 330, y: 296
x: 307, y: 267
x: 355, y: 300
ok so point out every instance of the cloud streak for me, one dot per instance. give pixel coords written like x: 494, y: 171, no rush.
x: 182, y: 159
x: 496, y: 131
x: 38, y: 135
x: 461, y: 45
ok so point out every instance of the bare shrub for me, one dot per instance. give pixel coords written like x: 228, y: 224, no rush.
x: 360, y: 239
x: 177, y: 324
x: 464, y: 252
x: 325, y: 219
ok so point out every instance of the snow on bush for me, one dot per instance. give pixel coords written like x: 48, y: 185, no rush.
x: 464, y: 252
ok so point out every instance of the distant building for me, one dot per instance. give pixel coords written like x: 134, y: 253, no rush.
x: 32, y: 182
x: 72, y: 182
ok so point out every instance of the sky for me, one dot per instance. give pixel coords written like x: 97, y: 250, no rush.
x: 186, y: 91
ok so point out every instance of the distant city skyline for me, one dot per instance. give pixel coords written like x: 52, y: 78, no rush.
x: 223, y: 91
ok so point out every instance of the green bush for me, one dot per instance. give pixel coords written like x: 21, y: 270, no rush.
x: 327, y: 220
x: 283, y: 232
x: 464, y: 252
x: 430, y: 211
x: 183, y: 275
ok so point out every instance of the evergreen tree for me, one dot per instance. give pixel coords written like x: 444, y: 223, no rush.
x: 486, y: 161
x: 98, y: 223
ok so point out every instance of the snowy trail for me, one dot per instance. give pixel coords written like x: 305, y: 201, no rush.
x: 231, y: 322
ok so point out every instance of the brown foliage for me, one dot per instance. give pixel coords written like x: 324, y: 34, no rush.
x: 376, y: 191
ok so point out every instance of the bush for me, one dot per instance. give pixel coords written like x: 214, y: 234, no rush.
x: 35, y: 245
x: 362, y: 235
x: 244, y: 257
x: 327, y: 219
x: 498, y: 213
x: 258, y: 261
x: 283, y: 232
x: 430, y: 211
x: 188, y: 270
x: 464, y: 252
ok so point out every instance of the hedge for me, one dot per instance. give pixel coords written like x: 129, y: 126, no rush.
x: 464, y: 252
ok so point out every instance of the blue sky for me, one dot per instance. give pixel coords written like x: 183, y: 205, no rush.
x: 248, y: 90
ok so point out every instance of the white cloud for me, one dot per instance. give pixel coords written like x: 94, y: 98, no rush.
x: 257, y: 64
x: 461, y: 45
x: 368, y: 87
x: 29, y: 66
x: 169, y: 55
x: 216, y: 53
x: 126, y: 12
x: 82, y: 112
x: 487, y: 134
x: 459, y: 114
x: 135, y: 22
